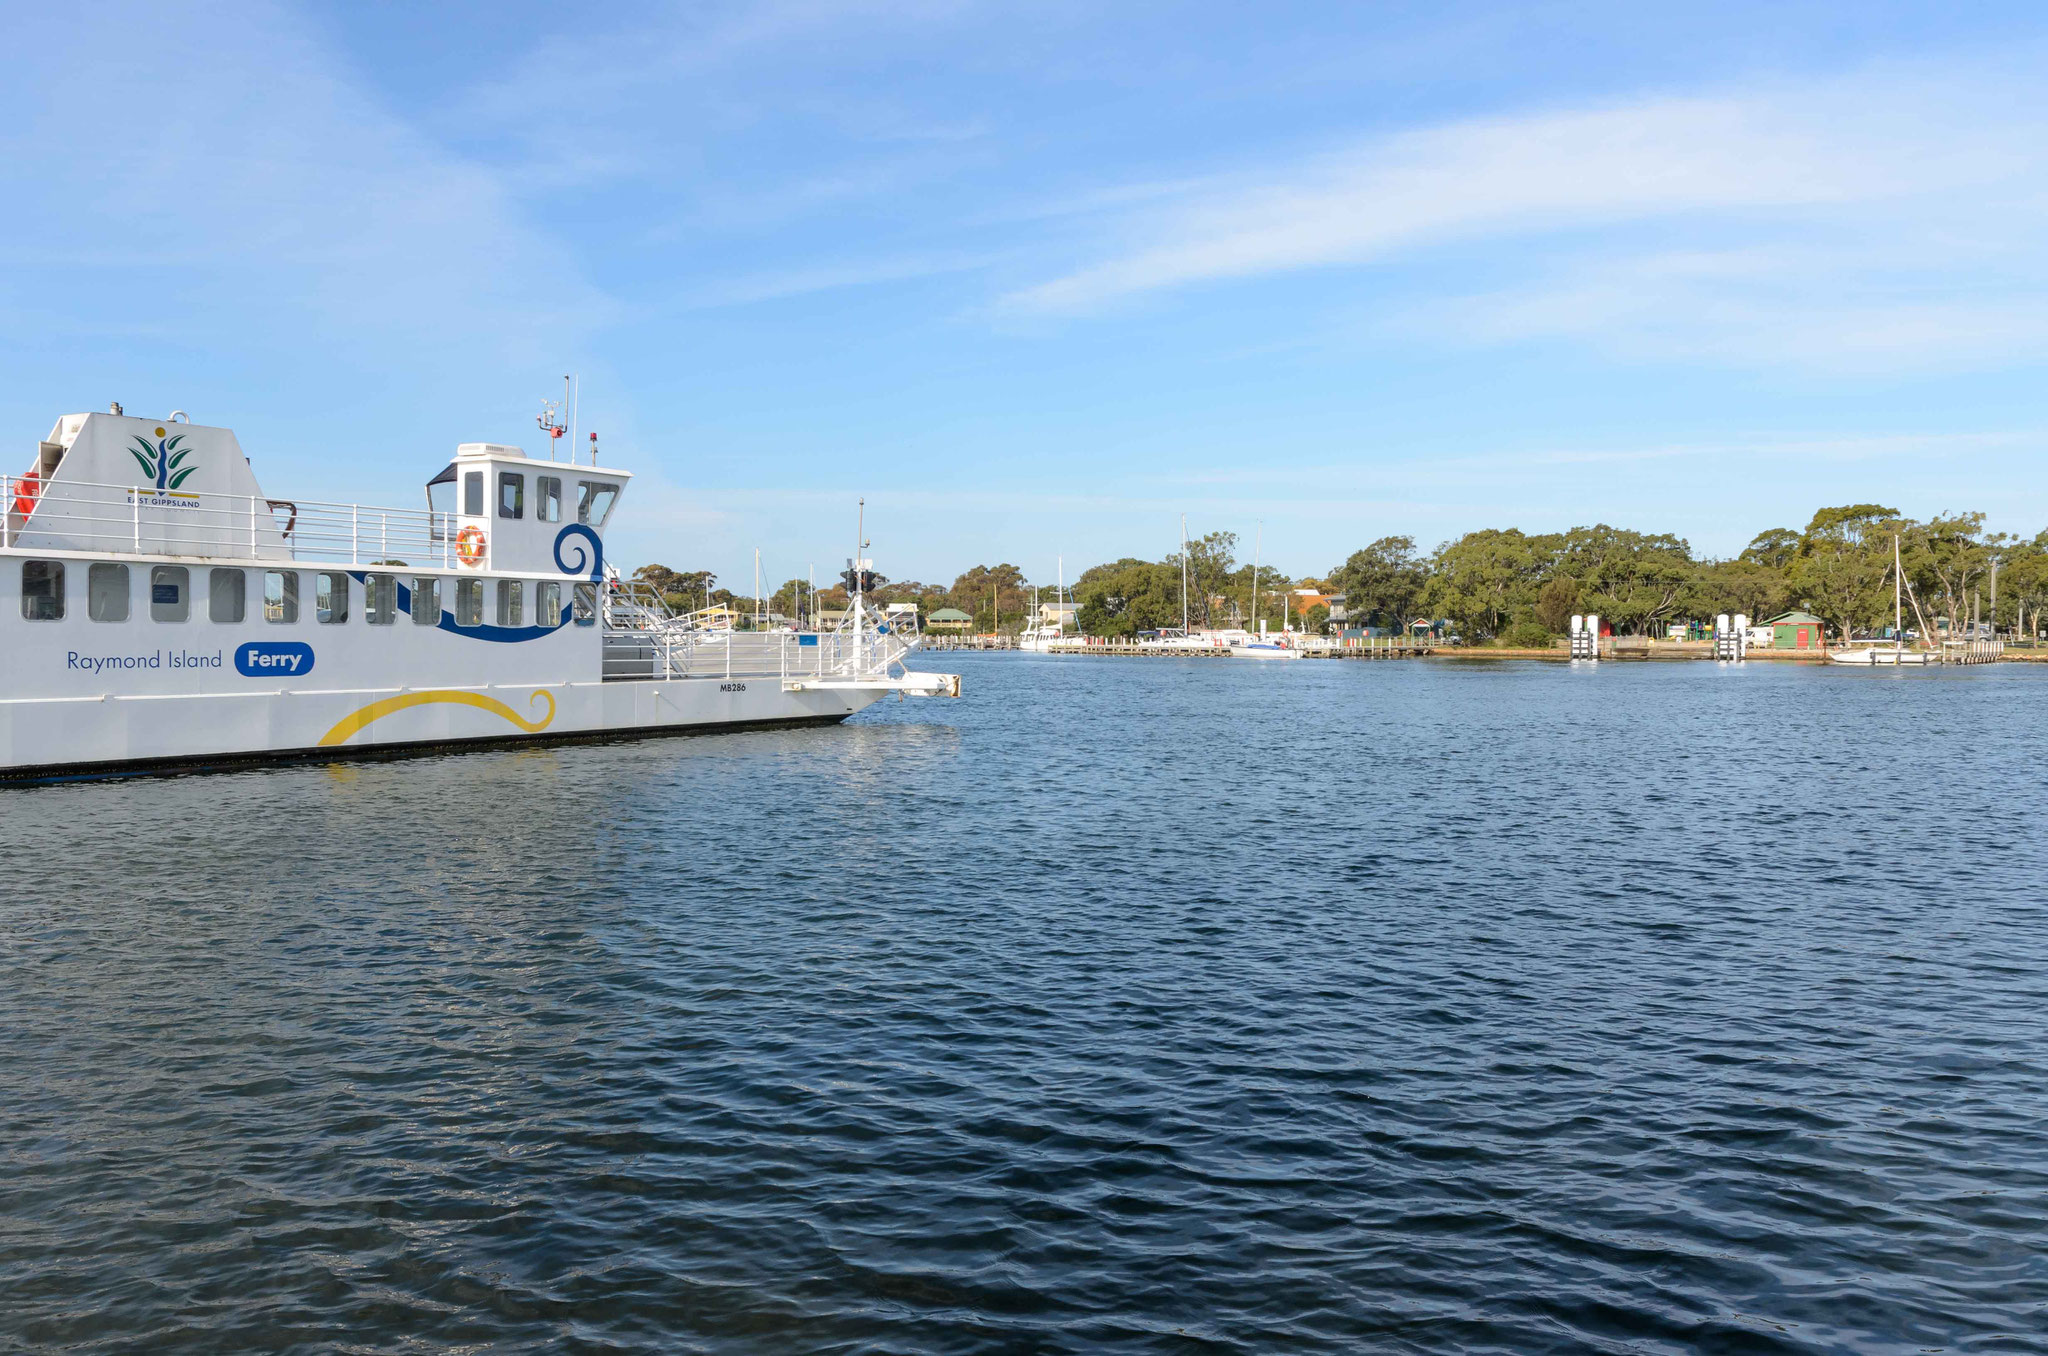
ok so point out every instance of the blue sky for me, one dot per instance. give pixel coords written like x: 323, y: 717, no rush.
x: 1037, y: 279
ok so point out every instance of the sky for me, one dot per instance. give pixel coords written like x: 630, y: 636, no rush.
x: 1035, y: 280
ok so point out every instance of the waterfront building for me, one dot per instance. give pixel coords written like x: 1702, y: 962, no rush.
x: 1797, y: 631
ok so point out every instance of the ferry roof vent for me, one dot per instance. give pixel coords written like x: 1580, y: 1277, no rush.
x: 489, y: 450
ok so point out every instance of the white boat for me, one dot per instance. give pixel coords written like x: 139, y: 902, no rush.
x: 1172, y: 641
x: 1896, y: 655
x: 1245, y: 645
x: 1037, y: 636
x: 1876, y: 654
x: 161, y: 611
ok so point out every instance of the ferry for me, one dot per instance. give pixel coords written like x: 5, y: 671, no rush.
x: 161, y: 612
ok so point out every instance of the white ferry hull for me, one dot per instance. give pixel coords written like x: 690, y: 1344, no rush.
x: 197, y: 622
x: 52, y: 739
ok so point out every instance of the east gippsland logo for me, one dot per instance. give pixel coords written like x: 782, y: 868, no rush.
x: 273, y: 659
x: 161, y: 461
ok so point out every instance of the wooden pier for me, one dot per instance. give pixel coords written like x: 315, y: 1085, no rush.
x: 1366, y: 649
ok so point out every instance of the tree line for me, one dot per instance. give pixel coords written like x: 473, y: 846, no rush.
x: 1516, y: 586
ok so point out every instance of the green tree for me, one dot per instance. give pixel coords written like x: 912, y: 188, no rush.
x: 1945, y: 558
x: 1384, y: 580
x: 1481, y: 579
x: 1631, y: 579
x: 992, y: 595
x: 1743, y: 585
x: 2023, y: 584
x: 1774, y: 547
x: 683, y: 591
x: 1557, y: 603
x: 1843, y: 560
x: 1271, y: 590
x: 1210, y: 559
x: 1128, y: 596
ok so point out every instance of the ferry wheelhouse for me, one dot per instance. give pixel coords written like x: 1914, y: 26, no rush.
x: 160, y: 610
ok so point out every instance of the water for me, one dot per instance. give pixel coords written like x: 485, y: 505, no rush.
x: 1125, y: 1005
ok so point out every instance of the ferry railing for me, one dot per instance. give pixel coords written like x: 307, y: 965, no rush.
x: 69, y: 515
x: 639, y: 652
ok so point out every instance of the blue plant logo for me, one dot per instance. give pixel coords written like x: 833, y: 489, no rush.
x: 161, y: 461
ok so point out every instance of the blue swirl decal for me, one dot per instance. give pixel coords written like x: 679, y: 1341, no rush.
x: 593, y: 558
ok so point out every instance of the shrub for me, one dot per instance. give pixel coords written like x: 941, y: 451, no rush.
x: 1527, y: 635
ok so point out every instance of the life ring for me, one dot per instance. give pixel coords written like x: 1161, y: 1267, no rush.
x: 25, y: 491
x: 469, y: 545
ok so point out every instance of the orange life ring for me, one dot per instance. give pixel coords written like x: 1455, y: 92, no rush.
x: 25, y: 491
x: 469, y: 545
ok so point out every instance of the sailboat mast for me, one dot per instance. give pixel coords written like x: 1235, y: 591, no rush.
x: 1898, y: 599
x: 1258, y: 544
x: 1183, y: 574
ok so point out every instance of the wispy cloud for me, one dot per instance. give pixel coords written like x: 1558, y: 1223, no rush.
x: 804, y: 281
x: 1937, y: 173
x: 234, y: 163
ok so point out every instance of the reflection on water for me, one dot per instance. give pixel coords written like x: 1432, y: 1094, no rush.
x: 1123, y: 1005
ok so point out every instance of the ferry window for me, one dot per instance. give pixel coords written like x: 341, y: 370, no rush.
x: 469, y: 602
x: 170, y: 593
x: 226, y: 595
x: 594, y: 500
x: 281, y: 596
x: 380, y: 599
x: 106, y: 593
x: 511, y: 601
x: 586, y: 604
x: 330, y: 596
x: 511, y: 494
x: 473, y: 493
x: 42, y: 590
x: 547, y: 499
x: 547, y: 605
x: 426, y: 601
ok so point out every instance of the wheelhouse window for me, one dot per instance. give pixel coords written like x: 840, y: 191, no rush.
x: 511, y: 494
x: 170, y: 593
x: 594, y: 500
x: 380, y: 599
x: 586, y: 604
x: 226, y: 596
x: 281, y: 596
x: 473, y: 493
x: 426, y: 600
x: 106, y: 593
x: 330, y: 596
x: 547, y: 605
x: 469, y: 602
x: 547, y: 499
x: 511, y: 602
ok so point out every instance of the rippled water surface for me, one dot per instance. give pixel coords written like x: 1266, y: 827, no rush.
x: 1124, y: 1005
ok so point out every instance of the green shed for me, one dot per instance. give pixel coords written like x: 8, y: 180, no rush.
x: 1797, y: 631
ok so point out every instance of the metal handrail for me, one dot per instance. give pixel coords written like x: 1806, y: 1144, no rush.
x: 88, y: 516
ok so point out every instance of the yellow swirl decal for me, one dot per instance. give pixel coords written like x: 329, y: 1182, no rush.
x: 349, y: 726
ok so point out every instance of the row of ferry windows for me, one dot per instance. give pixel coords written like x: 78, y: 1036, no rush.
x: 107, y: 596
x: 593, y: 497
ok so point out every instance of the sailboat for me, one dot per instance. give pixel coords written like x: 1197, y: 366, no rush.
x: 1896, y: 653
x: 1039, y: 636
x: 1243, y: 645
